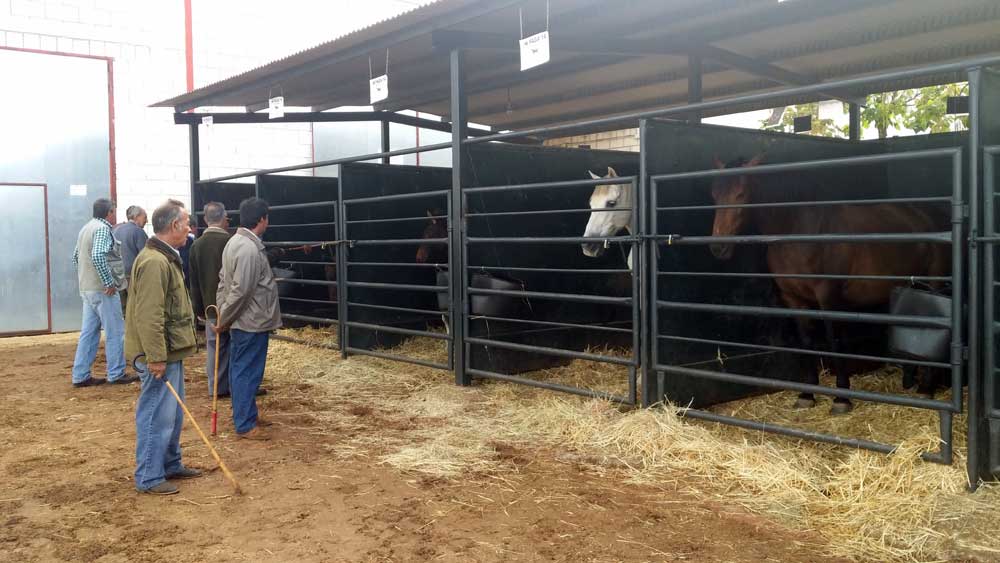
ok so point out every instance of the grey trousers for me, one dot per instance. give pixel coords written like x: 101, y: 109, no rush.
x: 223, y: 338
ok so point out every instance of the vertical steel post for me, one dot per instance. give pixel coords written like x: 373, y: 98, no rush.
x: 194, y: 158
x: 854, y: 127
x: 341, y: 267
x: 989, y: 308
x: 385, y: 140
x: 456, y: 220
x: 646, y: 208
x: 974, y: 463
x: 694, y: 86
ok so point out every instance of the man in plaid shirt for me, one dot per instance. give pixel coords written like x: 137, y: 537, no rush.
x: 101, y: 274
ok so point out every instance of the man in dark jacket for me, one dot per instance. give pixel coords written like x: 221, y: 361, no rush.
x: 159, y: 329
x: 133, y: 239
x: 205, y: 262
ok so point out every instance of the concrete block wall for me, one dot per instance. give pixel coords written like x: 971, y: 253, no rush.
x: 146, y: 42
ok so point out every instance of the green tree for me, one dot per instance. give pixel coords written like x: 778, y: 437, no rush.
x: 922, y: 110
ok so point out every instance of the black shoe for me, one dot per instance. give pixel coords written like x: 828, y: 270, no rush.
x: 90, y: 382
x: 261, y: 391
x: 163, y: 488
x: 185, y: 473
x: 125, y: 380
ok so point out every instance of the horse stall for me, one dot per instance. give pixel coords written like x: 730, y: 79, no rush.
x: 749, y: 225
x: 534, y: 300
x: 389, y: 294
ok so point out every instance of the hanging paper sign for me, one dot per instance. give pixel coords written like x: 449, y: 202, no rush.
x: 276, y: 107
x: 78, y: 190
x: 207, y: 121
x: 378, y: 88
x: 535, y: 50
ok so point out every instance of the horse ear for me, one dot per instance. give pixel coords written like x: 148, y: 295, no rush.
x: 755, y: 160
x: 612, y: 173
x: 594, y: 176
x: 718, y: 163
x: 430, y: 213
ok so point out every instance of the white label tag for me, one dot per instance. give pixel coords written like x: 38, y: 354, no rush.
x: 207, y: 121
x: 78, y: 190
x: 378, y: 88
x: 276, y: 107
x: 535, y: 50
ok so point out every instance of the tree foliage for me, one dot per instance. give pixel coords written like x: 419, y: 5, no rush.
x: 922, y: 110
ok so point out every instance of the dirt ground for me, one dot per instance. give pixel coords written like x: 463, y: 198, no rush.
x: 66, y: 460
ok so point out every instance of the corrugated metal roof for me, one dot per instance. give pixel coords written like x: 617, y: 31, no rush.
x: 817, y: 39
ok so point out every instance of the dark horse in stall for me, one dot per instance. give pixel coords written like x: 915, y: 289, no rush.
x: 437, y: 228
x: 870, y: 259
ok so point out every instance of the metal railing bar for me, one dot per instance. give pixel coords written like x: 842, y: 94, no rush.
x: 286, y: 243
x: 789, y: 432
x: 402, y: 241
x: 593, y: 394
x: 845, y: 316
x: 307, y: 263
x: 397, y: 330
x: 803, y: 351
x: 899, y: 400
x: 551, y: 270
x: 397, y: 358
x: 397, y: 264
x: 307, y: 318
x: 549, y: 185
x: 396, y: 219
x: 305, y: 205
x: 313, y: 301
x: 397, y: 197
x: 327, y: 224
x: 552, y: 351
x: 942, y: 199
x: 809, y: 165
x: 887, y: 238
x: 573, y: 297
x: 548, y: 240
x: 305, y: 282
x: 400, y: 286
x: 400, y: 309
x: 551, y: 323
x: 910, y: 279
x: 546, y: 212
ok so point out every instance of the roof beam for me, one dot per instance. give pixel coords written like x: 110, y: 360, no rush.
x: 360, y: 50
x: 636, y: 48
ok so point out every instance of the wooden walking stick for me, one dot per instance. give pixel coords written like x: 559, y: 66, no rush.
x: 215, y: 374
x: 215, y: 454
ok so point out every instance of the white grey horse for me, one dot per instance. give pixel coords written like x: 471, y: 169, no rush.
x: 603, y: 221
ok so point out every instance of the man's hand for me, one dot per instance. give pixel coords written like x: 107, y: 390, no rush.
x: 219, y: 329
x: 110, y: 290
x: 157, y: 369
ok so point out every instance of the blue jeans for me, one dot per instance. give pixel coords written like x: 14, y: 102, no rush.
x: 247, y: 356
x: 210, y: 338
x: 100, y: 311
x: 158, y: 421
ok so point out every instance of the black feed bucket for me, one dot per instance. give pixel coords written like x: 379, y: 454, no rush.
x: 485, y: 305
x: 924, y: 343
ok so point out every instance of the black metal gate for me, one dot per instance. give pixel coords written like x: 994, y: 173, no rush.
x: 531, y: 318
x: 991, y: 320
x: 685, y: 333
x: 380, y: 304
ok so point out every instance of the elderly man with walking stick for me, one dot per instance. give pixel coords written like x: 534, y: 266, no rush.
x: 248, y: 307
x: 159, y: 326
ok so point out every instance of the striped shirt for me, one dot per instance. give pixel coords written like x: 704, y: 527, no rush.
x: 103, y: 242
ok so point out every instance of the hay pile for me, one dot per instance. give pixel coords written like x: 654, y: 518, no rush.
x: 866, y: 505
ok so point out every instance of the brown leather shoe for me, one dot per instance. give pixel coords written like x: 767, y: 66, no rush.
x: 254, y: 433
x: 263, y: 422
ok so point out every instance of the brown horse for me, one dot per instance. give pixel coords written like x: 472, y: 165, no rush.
x: 873, y: 259
x: 437, y: 228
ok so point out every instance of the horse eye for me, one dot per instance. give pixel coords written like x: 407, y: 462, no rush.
x: 611, y: 203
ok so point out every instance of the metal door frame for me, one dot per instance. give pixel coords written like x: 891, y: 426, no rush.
x: 48, y: 267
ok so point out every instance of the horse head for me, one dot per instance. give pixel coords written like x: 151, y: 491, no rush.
x: 731, y: 190
x: 611, y: 211
x: 437, y: 228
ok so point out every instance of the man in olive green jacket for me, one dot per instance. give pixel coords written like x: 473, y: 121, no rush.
x: 159, y: 334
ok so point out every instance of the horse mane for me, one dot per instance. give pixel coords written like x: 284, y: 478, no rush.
x: 776, y: 187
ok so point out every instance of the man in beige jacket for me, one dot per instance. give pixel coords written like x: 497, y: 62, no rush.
x: 248, y: 308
